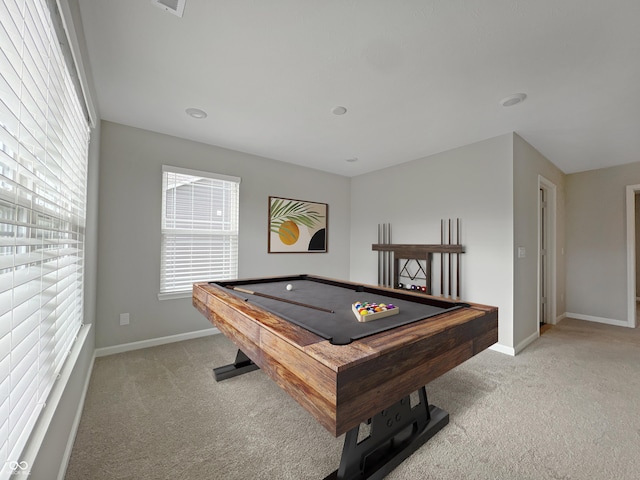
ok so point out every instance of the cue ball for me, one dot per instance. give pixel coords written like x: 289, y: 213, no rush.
x: 289, y: 287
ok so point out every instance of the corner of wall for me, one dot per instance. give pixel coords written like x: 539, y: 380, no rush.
x: 530, y: 166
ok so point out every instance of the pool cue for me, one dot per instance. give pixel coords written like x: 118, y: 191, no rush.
x: 450, y: 259
x: 389, y: 261
x: 458, y: 261
x: 387, y: 256
x: 384, y: 254
x: 280, y: 299
x: 379, y: 256
x: 442, y: 258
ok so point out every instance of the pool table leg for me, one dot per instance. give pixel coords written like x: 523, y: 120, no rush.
x: 395, y: 434
x: 242, y: 364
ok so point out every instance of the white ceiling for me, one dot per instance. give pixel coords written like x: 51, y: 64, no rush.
x: 417, y: 76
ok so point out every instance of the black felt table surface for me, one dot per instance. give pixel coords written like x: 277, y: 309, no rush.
x: 340, y: 327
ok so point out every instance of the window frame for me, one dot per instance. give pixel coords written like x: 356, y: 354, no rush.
x: 44, y: 139
x: 165, y: 231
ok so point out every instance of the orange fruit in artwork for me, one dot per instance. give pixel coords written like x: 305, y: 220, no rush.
x: 288, y: 232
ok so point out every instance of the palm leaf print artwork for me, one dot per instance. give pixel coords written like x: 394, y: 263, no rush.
x: 296, y: 226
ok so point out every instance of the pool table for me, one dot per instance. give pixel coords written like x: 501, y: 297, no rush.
x: 347, y: 373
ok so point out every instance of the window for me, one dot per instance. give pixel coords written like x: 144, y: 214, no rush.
x: 199, y: 229
x: 44, y: 140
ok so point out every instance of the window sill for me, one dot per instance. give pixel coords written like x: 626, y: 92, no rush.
x: 174, y: 295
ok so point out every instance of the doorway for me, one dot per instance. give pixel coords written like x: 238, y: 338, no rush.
x: 632, y: 191
x: 546, y: 254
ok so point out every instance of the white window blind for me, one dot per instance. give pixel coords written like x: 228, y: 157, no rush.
x: 199, y: 229
x: 43, y: 169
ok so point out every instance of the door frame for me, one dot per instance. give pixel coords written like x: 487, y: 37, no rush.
x: 631, y: 254
x: 550, y: 188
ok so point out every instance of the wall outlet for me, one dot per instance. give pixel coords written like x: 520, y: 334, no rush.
x: 124, y: 319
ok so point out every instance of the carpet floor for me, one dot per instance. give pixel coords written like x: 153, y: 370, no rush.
x: 564, y: 408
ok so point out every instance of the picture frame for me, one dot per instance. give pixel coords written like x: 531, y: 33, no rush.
x: 297, y: 226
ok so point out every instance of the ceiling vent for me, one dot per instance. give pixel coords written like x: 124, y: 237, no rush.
x: 172, y: 6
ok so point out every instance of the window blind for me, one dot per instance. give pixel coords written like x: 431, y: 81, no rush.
x: 199, y: 228
x: 43, y: 169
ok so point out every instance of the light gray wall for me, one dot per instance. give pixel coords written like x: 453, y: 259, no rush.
x: 130, y: 208
x: 596, y: 249
x: 473, y: 183
x: 528, y: 164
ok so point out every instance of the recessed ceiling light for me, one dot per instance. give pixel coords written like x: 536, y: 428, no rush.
x: 512, y: 100
x: 339, y: 110
x: 196, y: 113
x: 351, y: 160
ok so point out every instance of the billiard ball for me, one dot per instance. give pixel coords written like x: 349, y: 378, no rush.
x: 289, y: 287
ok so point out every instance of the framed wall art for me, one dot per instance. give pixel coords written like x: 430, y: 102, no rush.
x: 297, y: 226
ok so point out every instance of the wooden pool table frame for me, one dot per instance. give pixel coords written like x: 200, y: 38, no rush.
x: 342, y: 386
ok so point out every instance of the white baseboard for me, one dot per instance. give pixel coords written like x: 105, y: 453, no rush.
x: 591, y: 318
x: 154, y: 342
x: 523, y: 344
x: 518, y: 348
x: 561, y: 317
x: 503, y: 349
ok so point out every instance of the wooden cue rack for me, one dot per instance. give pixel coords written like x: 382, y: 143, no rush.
x: 424, y: 252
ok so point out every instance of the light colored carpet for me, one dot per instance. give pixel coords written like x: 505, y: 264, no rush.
x: 565, y: 408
